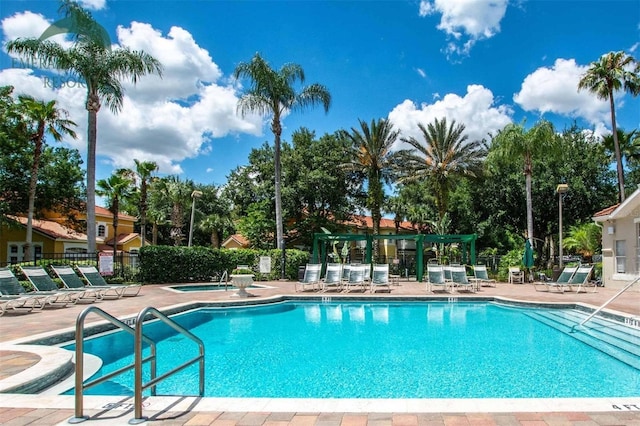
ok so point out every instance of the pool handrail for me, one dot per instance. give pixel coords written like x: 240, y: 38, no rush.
x: 593, y: 314
x: 80, y: 386
x: 138, y: 385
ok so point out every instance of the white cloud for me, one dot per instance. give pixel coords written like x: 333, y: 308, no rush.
x: 28, y: 25
x: 466, y: 21
x: 555, y: 89
x: 93, y: 4
x: 476, y: 111
x: 163, y: 120
x: 421, y: 72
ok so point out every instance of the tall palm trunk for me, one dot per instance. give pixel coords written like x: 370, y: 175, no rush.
x: 528, y: 171
x: 276, y: 128
x: 93, y: 106
x: 616, y: 147
x: 143, y: 212
x: 33, y: 183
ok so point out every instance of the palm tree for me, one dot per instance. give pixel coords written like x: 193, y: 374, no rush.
x: 115, y: 188
x: 272, y: 94
x: 37, y: 118
x: 370, y: 155
x: 177, y: 194
x: 629, y: 143
x: 612, y: 72
x: 584, y: 239
x: 513, y: 142
x: 444, y: 154
x: 144, y: 170
x: 215, y: 224
x: 102, y: 70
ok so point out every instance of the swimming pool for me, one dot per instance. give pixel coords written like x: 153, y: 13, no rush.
x: 376, y: 350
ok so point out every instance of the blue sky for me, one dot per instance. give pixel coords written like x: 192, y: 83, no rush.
x: 482, y: 63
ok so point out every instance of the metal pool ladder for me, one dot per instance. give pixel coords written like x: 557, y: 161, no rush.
x: 593, y: 314
x: 136, y: 330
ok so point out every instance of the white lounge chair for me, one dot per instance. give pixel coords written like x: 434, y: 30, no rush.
x: 561, y: 284
x: 435, y: 278
x: 311, y: 277
x: 380, y: 277
x: 94, y: 279
x: 333, y: 277
x: 459, y: 278
x: 481, y: 276
x: 580, y: 278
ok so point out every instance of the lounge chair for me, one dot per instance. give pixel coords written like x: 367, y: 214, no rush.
x: 94, y: 279
x: 14, y: 297
x: 581, y: 277
x: 481, y: 276
x: 346, y: 271
x: 460, y: 280
x: 380, y: 277
x: 311, y: 277
x: 72, y: 281
x: 435, y: 278
x: 333, y: 277
x: 42, y: 282
x: 54, y: 297
x: 561, y: 284
x: 356, y: 277
x: 516, y: 275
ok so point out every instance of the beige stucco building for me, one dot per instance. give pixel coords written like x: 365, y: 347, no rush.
x: 621, y: 242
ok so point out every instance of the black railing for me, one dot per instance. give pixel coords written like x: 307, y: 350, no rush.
x: 125, y: 265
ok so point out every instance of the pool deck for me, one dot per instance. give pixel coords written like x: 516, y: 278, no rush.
x: 16, y: 362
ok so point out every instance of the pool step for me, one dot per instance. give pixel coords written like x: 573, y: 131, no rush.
x: 614, y: 339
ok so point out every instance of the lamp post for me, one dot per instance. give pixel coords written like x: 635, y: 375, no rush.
x: 561, y: 189
x: 194, y: 195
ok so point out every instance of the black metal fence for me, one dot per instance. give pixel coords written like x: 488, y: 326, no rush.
x: 125, y: 265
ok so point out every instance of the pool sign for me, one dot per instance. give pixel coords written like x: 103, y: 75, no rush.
x: 106, y: 263
x: 265, y: 264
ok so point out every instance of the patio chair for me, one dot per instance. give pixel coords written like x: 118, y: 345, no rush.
x: 71, y: 280
x: 481, y: 276
x: 380, y: 277
x: 561, y: 283
x: 460, y: 280
x: 356, y: 277
x: 516, y: 275
x: 94, y: 279
x: 42, y: 282
x: 333, y: 277
x: 53, y: 297
x: 581, y: 277
x: 346, y: 270
x: 311, y: 277
x: 14, y: 297
x: 435, y: 278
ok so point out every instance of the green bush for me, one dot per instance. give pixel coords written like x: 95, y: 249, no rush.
x: 169, y: 264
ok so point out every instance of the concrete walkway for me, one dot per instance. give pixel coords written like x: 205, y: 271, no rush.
x: 51, y: 410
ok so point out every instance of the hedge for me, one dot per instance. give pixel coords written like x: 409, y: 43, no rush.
x: 169, y: 264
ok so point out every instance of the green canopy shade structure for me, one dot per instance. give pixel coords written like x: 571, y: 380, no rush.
x: 468, y: 243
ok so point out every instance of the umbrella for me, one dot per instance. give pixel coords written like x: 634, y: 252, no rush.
x: 527, y: 258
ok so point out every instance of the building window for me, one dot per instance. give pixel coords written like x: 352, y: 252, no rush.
x: 621, y: 257
x: 102, y: 231
x: 18, y: 250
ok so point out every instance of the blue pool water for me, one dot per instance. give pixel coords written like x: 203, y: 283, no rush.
x: 374, y: 350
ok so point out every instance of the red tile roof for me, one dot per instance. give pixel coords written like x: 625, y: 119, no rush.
x: 105, y: 212
x: 385, y: 223
x: 53, y: 229
x: 607, y: 211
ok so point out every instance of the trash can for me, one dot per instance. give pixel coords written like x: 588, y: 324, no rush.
x: 556, y: 274
x: 301, y: 270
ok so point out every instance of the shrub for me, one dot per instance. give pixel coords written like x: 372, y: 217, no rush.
x: 169, y: 264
